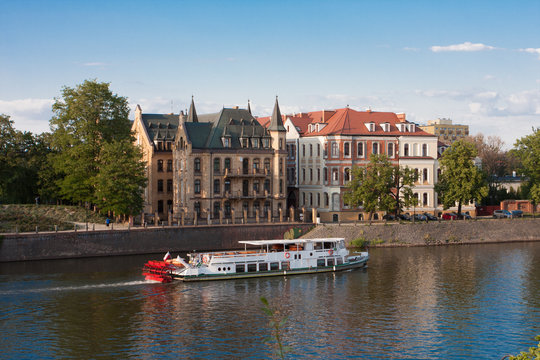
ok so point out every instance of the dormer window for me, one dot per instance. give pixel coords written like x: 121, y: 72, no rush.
x: 266, y: 143
x: 370, y: 126
x: 226, y: 140
x: 244, y: 142
x: 255, y: 143
x: 401, y: 127
x: 411, y: 127
x: 385, y: 127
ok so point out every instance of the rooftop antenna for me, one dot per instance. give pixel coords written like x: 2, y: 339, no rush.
x: 172, y: 107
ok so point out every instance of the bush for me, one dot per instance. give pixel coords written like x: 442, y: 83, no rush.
x: 360, y: 242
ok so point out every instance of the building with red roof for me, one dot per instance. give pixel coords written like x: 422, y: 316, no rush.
x: 323, y: 146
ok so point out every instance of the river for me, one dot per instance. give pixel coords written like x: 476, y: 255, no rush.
x: 452, y: 302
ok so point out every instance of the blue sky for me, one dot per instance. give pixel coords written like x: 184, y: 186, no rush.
x: 475, y: 62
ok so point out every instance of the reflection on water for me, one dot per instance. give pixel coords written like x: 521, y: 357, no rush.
x: 457, y: 302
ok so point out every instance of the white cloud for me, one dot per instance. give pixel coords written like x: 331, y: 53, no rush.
x: 532, y: 51
x: 466, y: 46
x: 28, y: 114
x: 96, y: 63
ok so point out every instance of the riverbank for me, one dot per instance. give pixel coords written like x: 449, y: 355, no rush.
x: 434, y: 233
x: 114, y: 242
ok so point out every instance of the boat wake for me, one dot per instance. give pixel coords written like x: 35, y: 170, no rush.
x: 78, y: 287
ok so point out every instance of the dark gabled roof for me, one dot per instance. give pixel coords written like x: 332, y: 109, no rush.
x: 207, y: 133
x: 161, y: 126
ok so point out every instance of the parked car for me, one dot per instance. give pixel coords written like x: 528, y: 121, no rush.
x: 405, y: 217
x: 430, y: 217
x: 465, y: 216
x: 389, y: 217
x: 449, y: 216
x: 499, y: 214
x: 420, y: 217
x: 516, y: 213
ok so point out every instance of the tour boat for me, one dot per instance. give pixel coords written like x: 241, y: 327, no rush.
x: 263, y: 258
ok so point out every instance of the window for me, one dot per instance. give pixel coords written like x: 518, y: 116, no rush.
x: 255, y: 143
x: 303, y: 174
x: 217, y: 207
x: 267, y: 185
x: 326, y: 199
x: 226, y: 142
x: 280, y: 144
x: 406, y: 150
x: 280, y: 186
x: 197, y: 186
x: 227, y: 185
x: 310, y: 174
x: 267, y: 165
x: 217, y: 165
x: 318, y: 199
x: 256, y: 186
x: 318, y: 175
x: 347, y: 175
x: 303, y: 150
x: 347, y: 149
x: 256, y: 165
x: 425, y: 175
x: 160, y: 185
x: 310, y: 199
x: 425, y: 199
x: 227, y: 208
x: 318, y: 149
x: 227, y: 163
x: 160, y: 206
x: 160, y: 165
x: 390, y: 151
x: 360, y: 152
x: 197, y: 165
x: 169, y: 186
x: 217, y: 186
x: 424, y: 150
x: 375, y: 148
x: 280, y: 168
x: 335, y: 175
x: 169, y: 165
x: 197, y: 208
x: 263, y: 266
x: 266, y: 143
x: 325, y: 170
x: 335, y: 150
x: 310, y: 149
x: 416, y: 175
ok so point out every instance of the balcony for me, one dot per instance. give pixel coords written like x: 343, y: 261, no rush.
x: 250, y: 173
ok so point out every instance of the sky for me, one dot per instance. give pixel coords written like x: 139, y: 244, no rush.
x: 474, y: 62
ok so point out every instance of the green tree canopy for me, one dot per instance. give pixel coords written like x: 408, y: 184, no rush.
x: 89, y: 125
x: 380, y: 186
x: 460, y: 182
x: 527, y: 149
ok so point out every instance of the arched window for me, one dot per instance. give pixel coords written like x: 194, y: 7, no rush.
x: 267, y: 208
x: 347, y: 149
x: 197, y: 186
x: 217, y: 207
x: 197, y: 165
x: 375, y: 148
x: 217, y: 165
x: 310, y: 199
x: 304, y: 150
x: 335, y: 175
x: 160, y: 165
x: 318, y: 199
x: 360, y: 152
x: 227, y: 163
x: 169, y: 165
x: 425, y: 175
x: 227, y: 206
x: 326, y: 200
x: 217, y: 186
x: 267, y: 164
x: 227, y: 185
x: 425, y: 199
x: 310, y: 149
x: 267, y: 185
x: 406, y: 150
x: 424, y: 150
x: 318, y: 149
x: 310, y: 174
x: 347, y: 175
x: 416, y: 178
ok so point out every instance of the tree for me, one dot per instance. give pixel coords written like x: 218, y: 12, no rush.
x: 85, y: 118
x: 527, y: 149
x: 121, y: 180
x: 22, y: 156
x: 380, y: 186
x: 460, y: 181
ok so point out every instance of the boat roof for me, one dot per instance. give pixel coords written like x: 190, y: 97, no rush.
x: 286, y: 242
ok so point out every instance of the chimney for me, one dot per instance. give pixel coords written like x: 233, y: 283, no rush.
x: 401, y: 117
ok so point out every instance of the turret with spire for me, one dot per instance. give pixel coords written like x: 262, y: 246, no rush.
x: 276, y: 122
x: 249, y: 107
x: 192, y: 115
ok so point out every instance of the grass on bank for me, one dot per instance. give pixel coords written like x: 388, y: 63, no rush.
x: 25, y: 218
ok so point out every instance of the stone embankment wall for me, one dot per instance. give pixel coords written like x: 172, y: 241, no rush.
x: 435, y: 233
x: 71, y: 244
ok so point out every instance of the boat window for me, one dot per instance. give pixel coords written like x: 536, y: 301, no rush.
x: 330, y: 262
x: 310, y: 254
x: 263, y: 267
x: 240, y: 268
x: 252, y: 267
x: 228, y: 268
x: 320, y: 263
x: 295, y: 257
x: 339, y: 260
x: 274, y: 266
x: 219, y: 269
x: 299, y: 256
x: 285, y: 265
x: 318, y: 246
